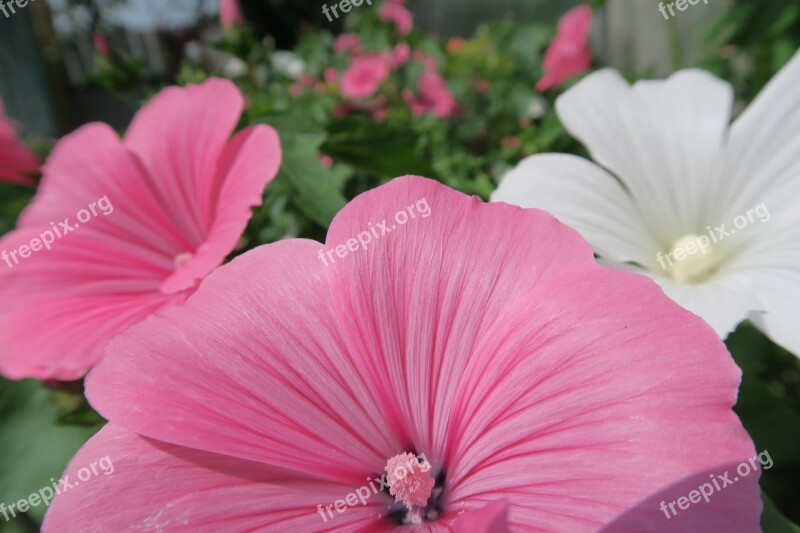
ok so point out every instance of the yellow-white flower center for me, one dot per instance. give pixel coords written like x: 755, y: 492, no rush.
x: 690, y: 260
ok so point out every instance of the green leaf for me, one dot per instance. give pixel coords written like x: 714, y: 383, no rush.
x: 315, y: 192
x: 34, y: 447
x: 378, y: 148
x: 772, y: 521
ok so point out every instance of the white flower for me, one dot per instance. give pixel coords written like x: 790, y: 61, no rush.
x: 677, y: 175
x: 288, y: 64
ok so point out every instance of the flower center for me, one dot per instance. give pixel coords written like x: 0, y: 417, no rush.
x: 690, y: 259
x: 411, y: 483
x: 180, y: 259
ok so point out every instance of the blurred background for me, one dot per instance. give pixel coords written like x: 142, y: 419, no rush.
x: 64, y: 63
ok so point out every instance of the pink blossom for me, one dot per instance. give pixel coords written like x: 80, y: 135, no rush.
x: 101, y: 44
x: 326, y: 160
x: 434, y: 97
x: 170, y: 203
x: 429, y: 62
x: 365, y: 75
x: 510, y: 142
x: 305, y: 81
x: 398, y: 14
x: 536, y: 389
x: 456, y: 44
x: 347, y: 42
x: 400, y: 54
x: 17, y: 162
x: 331, y: 75
x: 569, y: 52
x: 230, y: 12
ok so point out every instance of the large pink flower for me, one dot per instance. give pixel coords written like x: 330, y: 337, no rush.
x: 398, y: 14
x: 434, y: 97
x: 170, y: 202
x: 17, y: 162
x: 569, y: 53
x: 365, y: 75
x: 542, y: 391
x: 230, y: 13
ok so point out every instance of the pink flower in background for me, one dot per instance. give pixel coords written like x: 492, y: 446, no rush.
x: 430, y: 63
x: 543, y: 391
x: 456, y: 44
x: 569, y: 52
x: 434, y: 97
x: 230, y: 12
x: 365, y: 75
x: 101, y: 44
x: 304, y: 82
x: 400, y: 54
x: 510, y: 142
x: 17, y: 162
x: 347, y: 42
x: 331, y: 75
x: 326, y: 160
x: 398, y: 14
x: 175, y: 196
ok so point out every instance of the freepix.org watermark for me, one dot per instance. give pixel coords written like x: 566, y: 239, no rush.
x: 694, y: 244
x: 717, y: 483
x: 682, y: 5
x: 48, y: 237
x: 46, y: 495
x: 362, y: 494
x: 376, y: 231
x: 11, y: 5
x: 345, y: 6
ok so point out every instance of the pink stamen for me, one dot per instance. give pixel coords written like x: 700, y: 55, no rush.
x: 409, y: 480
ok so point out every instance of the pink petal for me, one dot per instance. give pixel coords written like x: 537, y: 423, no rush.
x: 181, y: 147
x: 408, y: 301
x: 260, y: 374
x: 575, y: 386
x: 147, y: 485
x: 248, y: 163
x: 230, y: 13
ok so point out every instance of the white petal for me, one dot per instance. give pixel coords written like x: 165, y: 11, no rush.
x: 586, y: 198
x: 779, y: 293
x: 663, y: 139
x: 722, y: 302
x: 761, y: 162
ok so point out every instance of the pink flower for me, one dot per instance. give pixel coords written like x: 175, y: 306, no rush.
x: 331, y: 75
x: 101, y: 44
x: 429, y: 62
x: 510, y: 142
x: 143, y: 220
x: 434, y: 97
x: 365, y: 75
x: 326, y: 160
x: 569, y: 52
x: 398, y: 14
x: 456, y: 44
x: 400, y: 55
x: 17, y: 162
x: 533, y: 388
x: 347, y: 42
x: 305, y: 81
x: 230, y: 12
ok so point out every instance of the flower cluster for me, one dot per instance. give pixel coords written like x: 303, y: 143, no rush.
x: 524, y: 363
